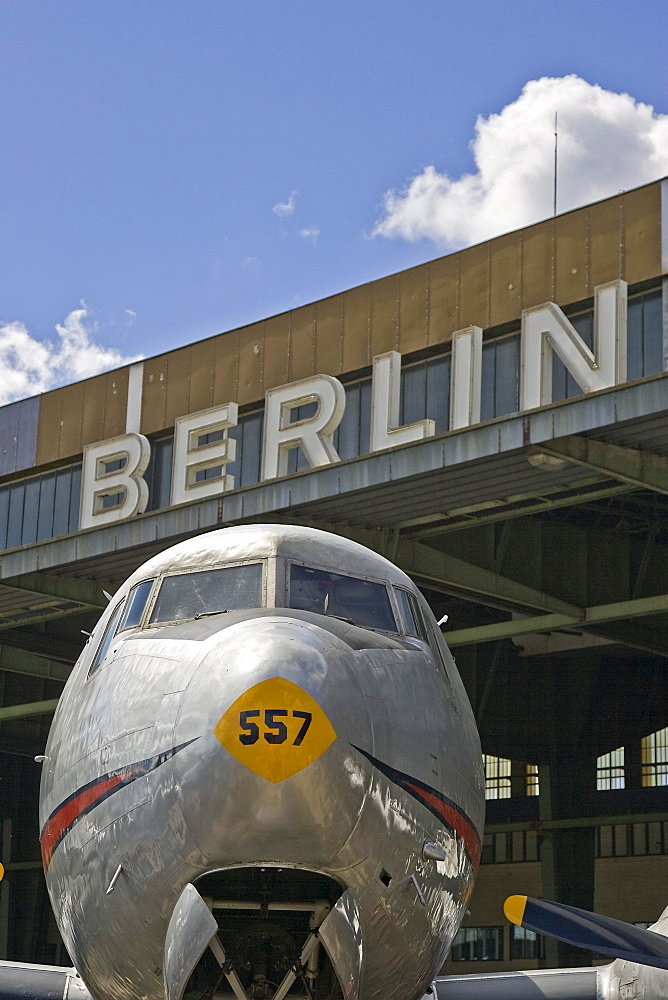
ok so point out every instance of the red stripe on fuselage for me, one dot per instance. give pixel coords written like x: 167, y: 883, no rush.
x: 453, y: 818
x: 70, y: 812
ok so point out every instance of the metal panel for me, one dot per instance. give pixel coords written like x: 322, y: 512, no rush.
x: 251, y: 449
x: 75, y: 498
x: 443, y: 299
x: 177, y: 384
x: 47, y: 498
x: 9, y: 432
x: 642, y: 233
x: 653, y: 333
x: 301, y: 350
x: 30, y: 511
x: 507, y: 388
x: 92, y: 411
x: 48, y: 427
x: 31, y: 982
x: 604, y: 227
x: 356, y: 328
x: 552, y: 984
x: 191, y: 928
x: 413, y: 403
x: 202, y: 362
x: 153, y: 395
x: 71, y: 420
x: 438, y: 392
x: 384, y: 315
x: 537, y: 264
x: 15, y: 516
x: 251, y: 350
x: 560, y: 259
x: 28, y: 411
x: 18, y: 435
x: 226, y: 368
x: 505, y: 302
x: 329, y: 336
x: 347, y: 434
x: 158, y: 474
x: 116, y: 402
x: 474, y: 275
x: 275, y: 352
x: 61, y: 515
x: 413, y: 309
x: 469, y: 466
x: 571, y: 257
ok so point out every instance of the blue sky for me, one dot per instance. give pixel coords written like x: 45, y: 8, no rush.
x: 147, y: 142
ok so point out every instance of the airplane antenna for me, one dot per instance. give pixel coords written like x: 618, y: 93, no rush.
x: 556, y: 140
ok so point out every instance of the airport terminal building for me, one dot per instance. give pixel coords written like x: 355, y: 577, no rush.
x: 495, y: 422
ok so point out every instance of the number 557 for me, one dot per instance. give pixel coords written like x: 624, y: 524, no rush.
x: 276, y: 730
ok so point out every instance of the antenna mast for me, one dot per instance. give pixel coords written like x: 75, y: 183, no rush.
x: 555, y: 162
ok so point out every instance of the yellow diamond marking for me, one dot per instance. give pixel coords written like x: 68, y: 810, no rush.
x: 275, y: 728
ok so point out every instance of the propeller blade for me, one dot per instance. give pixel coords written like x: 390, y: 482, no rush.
x: 588, y: 930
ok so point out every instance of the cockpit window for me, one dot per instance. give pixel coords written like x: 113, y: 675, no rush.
x: 136, y: 603
x: 109, y: 633
x: 411, y: 614
x: 208, y: 592
x: 360, y: 602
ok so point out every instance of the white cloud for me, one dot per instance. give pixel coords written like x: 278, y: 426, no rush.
x: 311, y: 233
x: 29, y: 366
x: 132, y: 316
x: 285, y: 208
x: 607, y: 142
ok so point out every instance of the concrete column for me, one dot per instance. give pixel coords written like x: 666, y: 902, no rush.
x: 5, y: 857
x: 567, y: 856
x: 633, y: 763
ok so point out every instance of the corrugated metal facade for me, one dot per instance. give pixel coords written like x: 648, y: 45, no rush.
x: 561, y: 260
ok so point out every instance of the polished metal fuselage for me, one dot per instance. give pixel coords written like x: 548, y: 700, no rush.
x: 139, y: 836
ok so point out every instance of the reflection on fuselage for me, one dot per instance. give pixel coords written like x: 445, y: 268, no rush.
x: 270, y: 714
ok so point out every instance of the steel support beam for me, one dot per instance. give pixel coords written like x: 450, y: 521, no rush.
x: 644, y: 469
x: 16, y: 661
x: 549, y: 623
x: 44, y: 644
x: 9, y: 712
x: 318, y: 492
x: 510, y: 508
x: 577, y: 822
x: 89, y: 593
x: 36, y: 597
x: 422, y: 562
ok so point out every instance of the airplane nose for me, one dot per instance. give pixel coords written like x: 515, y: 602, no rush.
x: 273, y: 708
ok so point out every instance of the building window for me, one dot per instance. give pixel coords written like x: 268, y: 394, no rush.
x: 639, y: 839
x: 525, y: 943
x: 654, y: 750
x: 645, y: 334
x: 531, y: 785
x: 610, y: 770
x: 500, y: 388
x: 516, y: 846
x: 563, y: 383
x: 497, y: 777
x: 478, y: 944
x: 40, y: 507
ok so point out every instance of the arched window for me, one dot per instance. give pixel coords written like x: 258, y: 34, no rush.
x: 610, y: 770
x: 497, y: 777
x: 654, y: 758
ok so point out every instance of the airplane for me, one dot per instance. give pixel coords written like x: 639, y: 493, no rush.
x: 264, y: 779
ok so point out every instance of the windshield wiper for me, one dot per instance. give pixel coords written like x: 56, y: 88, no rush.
x: 206, y: 614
